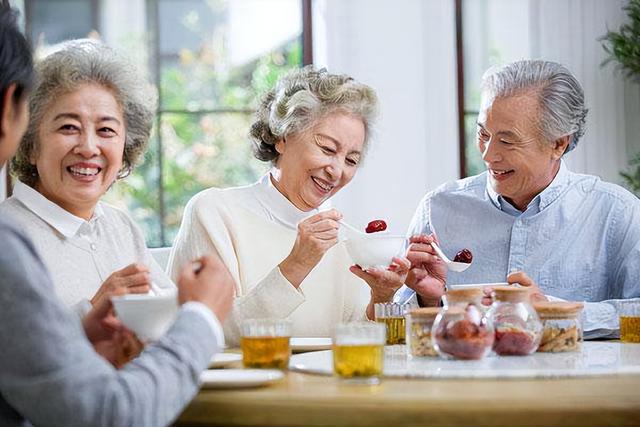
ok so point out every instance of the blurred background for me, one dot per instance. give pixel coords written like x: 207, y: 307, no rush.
x: 210, y: 61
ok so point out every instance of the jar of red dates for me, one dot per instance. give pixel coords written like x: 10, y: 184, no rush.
x: 461, y: 329
x: 517, y: 326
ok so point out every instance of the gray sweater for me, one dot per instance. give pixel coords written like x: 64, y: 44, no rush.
x: 50, y: 374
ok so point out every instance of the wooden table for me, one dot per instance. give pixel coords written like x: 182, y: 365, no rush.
x: 315, y: 400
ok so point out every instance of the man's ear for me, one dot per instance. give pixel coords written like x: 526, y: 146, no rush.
x: 560, y: 146
x: 9, y: 110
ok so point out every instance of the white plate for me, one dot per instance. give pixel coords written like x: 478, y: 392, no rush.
x: 239, y: 378
x: 477, y: 285
x: 220, y: 360
x: 300, y: 344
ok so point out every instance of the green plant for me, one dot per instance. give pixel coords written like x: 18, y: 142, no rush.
x: 623, y: 47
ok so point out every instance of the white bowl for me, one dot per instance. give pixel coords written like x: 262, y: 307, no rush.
x: 148, y: 316
x: 375, y: 249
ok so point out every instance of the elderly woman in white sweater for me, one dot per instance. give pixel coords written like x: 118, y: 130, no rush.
x: 91, y: 117
x: 279, y: 236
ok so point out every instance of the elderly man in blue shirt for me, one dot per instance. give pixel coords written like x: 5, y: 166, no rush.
x: 575, y: 236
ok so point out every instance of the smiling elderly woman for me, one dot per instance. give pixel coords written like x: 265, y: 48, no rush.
x: 91, y: 117
x: 279, y: 237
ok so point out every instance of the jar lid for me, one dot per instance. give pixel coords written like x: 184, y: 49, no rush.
x: 558, y: 309
x: 425, y: 312
x: 510, y: 293
x: 464, y: 294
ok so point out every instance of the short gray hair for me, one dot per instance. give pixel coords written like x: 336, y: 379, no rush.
x: 560, y: 95
x: 300, y: 99
x: 79, y: 62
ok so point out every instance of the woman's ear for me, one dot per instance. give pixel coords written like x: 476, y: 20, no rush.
x: 280, y: 145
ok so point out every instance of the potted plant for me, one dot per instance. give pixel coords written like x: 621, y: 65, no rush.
x: 623, y: 47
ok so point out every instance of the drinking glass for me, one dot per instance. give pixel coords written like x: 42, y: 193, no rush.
x: 393, y: 316
x: 358, y: 352
x: 265, y: 343
x: 629, y: 321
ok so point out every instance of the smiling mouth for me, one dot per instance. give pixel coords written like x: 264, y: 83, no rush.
x: 324, y: 186
x: 78, y: 171
x: 498, y: 174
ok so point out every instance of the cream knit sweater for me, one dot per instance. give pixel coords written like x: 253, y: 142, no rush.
x: 252, y: 230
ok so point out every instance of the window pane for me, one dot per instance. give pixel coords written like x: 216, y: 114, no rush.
x: 54, y: 21
x: 201, y: 151
x: 474, y: 164
x: 494, y: 32
x: 219, y: 54
x: 139, y: 195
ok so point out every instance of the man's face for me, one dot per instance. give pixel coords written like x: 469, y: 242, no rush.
x: 520, y: 162
x: 15, y: 117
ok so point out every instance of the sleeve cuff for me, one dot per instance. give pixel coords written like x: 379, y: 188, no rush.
x: 207, y: 314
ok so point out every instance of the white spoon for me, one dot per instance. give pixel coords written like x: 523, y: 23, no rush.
x: 458, y: 267
x: 351, y: 228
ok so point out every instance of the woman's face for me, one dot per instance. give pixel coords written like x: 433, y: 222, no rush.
x: 314, y: 165
x: 80, y: 144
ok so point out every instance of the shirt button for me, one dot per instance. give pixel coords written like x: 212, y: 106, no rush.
x: 93, y: 246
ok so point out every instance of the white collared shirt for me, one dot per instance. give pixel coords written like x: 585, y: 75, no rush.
x: 81, y: 254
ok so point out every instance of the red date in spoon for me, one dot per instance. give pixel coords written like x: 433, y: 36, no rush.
x: 464, y: 256
x: 375, y: 226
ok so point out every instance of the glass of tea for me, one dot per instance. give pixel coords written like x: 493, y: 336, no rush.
x: 358, y: 352
x: 265, y: 343
x: 629, y: 321
x: 393, y: 316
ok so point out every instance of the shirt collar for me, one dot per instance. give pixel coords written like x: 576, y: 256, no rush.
x: 279, y: 207
x: 63, y: 221
x: 540, y: 202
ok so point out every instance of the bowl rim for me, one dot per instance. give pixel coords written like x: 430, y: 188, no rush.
x: 376, y: 236
x: 144, y: 297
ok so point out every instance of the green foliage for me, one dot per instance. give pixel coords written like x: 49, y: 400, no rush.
x: 623, y: 47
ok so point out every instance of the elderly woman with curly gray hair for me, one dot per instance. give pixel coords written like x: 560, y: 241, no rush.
x: 280, y: 237
x: 91, y: 117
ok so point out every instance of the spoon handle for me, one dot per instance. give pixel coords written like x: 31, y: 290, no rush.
x: 350, y: 227
x: 441, y: 254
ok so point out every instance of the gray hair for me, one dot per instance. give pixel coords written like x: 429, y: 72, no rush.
x: 560, y: 95
x: 303, y: 97
x: 79, y: 62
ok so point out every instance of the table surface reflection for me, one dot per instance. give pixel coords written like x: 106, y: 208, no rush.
x: 322, y: 400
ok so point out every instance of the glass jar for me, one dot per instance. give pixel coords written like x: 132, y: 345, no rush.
x: 561, y: 326
x: 461, y: 329
x: 517, y: 325
x: 419, y: 324
x: 392, y: 315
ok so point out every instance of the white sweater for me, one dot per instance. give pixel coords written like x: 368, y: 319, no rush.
x: 253, y: 229
x: 79, y: 254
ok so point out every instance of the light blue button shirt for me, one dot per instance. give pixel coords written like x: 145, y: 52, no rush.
x: 579, y: 240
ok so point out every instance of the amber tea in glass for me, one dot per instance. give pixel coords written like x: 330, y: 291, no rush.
x: 358, y: 352
x: 393, y: 316
x: 630, y: 321
x: 265, y: 343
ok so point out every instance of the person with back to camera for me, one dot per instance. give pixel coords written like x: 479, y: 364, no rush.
x: 279, y: 236
x: 50, y: 372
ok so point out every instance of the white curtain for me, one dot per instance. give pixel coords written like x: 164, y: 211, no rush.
x: 406, y: 52
x: 567, y: 31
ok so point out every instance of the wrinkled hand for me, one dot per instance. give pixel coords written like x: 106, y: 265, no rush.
x: 521, y: 278
x: 110, y: 339
x: 428, y: 274
x: 211, y: 285
x: 133, y: 279
x: 316, y: 235
x: 384, y: 283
